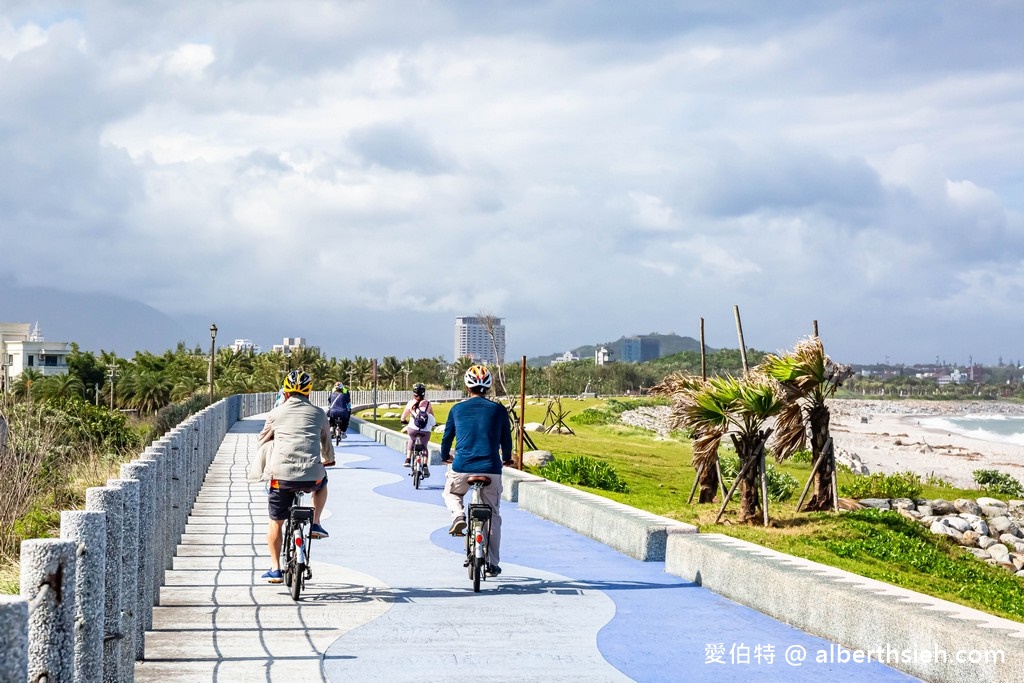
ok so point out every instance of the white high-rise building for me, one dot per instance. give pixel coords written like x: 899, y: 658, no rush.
x: 472, y: 339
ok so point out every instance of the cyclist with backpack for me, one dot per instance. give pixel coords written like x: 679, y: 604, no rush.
x: 339, y: 409
x: 418, y: 417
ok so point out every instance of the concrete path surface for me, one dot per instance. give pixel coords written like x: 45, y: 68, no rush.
x: 391, y: 601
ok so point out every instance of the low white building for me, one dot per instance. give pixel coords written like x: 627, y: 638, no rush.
x: 566, y: 357
x: 22, y: 346
x: 245, y: 345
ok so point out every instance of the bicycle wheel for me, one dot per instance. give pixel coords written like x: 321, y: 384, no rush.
x: 297, y: 580
x: 287, y: 555
x: 478, y: 572
x: 417, y: 473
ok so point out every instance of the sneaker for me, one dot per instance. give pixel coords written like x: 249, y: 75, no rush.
x: 344, y: 435
x: 458, y: 527
x: 493, y: 570
x: 426, y: 472
x: 407, y: 463
x: 273, y: 576
x: 317, y: 531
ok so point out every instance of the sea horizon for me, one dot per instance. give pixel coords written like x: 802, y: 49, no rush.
x: 997, y: 428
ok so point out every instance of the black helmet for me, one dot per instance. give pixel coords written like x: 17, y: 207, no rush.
x: 419, y: 389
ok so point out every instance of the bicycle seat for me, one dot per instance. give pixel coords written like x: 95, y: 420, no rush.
x: 479, y: 478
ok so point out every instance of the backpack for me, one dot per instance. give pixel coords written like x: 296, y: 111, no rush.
x: 419, y: 416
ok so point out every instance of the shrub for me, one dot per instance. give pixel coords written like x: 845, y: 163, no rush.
x: 581, y: 470
x: 781, y: 485
x: 935, y: 481
x: 803, y: 457
x: 617, y: 406
x: 592, y: 416
x: 900, y: 485
x: 998, y: 482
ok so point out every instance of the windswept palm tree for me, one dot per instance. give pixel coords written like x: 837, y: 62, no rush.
x: 362, y: 372
x: 683, y: 389
x: 742, y: 407
x: 150, y: 391
x: 808, y: 378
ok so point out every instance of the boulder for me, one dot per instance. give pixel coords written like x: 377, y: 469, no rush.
x: 1020, y: 574
x: 537, y: 458
x: 991, y: 502
x: 903, y: 504
x: 941, y: 529
x: 978, y: 553
x: 849, y: 504
x: 925, y: 509
x: 986, y: 542
x: 970, y: 538
x: 1018, y: 547
x: 967, y: 505
x: 1000, y: 524
x: 877, y: 503
x: 956, y: 522
x: 1018, y: 560
x: 981, y: 527
x: 927, y: 519
x: 942, y: 507
x: 439, y: 429
x: 534, y: 427
x: 1009, y: 539
x: 1015, y: 506
x: 971, y: 519
x: 992, y: 511
x: 999, y: 552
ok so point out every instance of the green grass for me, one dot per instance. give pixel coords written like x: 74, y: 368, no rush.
x: 876, y: 544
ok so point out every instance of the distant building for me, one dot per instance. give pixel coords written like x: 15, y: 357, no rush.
x: 290, y: 343
x: 566, y: 357
x: 602, y: 356
x: 473, y: 340
x: 22, y: 346
x: 640, y: 349
x: 245, y: 345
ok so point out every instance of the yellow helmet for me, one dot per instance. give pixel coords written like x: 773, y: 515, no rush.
x: 298, y: 382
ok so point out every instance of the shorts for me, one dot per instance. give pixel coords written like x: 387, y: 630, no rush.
x: 282, y: 495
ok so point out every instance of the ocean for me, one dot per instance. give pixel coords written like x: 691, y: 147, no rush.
x: 1000, y: 428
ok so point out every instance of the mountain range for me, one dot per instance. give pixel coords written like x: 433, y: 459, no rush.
x: 668, y: 345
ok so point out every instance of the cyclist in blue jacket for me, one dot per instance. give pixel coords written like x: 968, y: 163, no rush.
x: 339, y: 409
x: 483, y: 444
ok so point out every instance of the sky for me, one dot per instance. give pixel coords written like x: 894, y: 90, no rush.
x: 359, y: 173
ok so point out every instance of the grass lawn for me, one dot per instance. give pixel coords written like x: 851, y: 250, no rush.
x: 875, y: 544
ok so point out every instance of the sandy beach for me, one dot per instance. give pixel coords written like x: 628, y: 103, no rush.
x: 889, y: 437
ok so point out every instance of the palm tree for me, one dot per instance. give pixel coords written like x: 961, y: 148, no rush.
x: 683, y: 388
x: 389, y: 371
x: 61, y: 386
x: 741, y: 406
x: 150, y: 390
x: 808, y: 378
x: 362, y: 372
x: 23, y: 383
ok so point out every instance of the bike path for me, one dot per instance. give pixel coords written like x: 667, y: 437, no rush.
x: 391, y: 601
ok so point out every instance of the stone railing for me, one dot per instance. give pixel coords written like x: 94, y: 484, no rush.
x: 87, y: 597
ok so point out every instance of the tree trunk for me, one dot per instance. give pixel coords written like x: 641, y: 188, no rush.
x: 822, y: 496
x: 708, y: 482
x: 750, y: 485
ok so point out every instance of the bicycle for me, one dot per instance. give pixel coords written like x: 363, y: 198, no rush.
x: 420, y: 461
x: 298, y: 537
x: 479, y: 532
x: 337, y: 433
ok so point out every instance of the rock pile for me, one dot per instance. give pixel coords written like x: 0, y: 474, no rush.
x: 651, y: 418
x: 989, y: 529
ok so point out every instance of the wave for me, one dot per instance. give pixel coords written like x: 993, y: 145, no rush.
x: 995, y: 428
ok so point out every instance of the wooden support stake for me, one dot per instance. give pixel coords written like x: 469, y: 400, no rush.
x: 743, y: 345
x: 764, y: 483
x: 693, y: 489
x: 807, y: 486
x: 703, y: 356
x: 721, y: 480
x: 732, y: 490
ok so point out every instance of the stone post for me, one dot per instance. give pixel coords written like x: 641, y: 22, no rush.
x: 143, y: 472
x: 109, y: 500
x: 153, y: 456
x: 48, y: 583
x: 14, y: 626
x: 129, y: 572
x: 89, y: 531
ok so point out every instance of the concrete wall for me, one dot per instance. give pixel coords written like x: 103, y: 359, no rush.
x: 895, y: 624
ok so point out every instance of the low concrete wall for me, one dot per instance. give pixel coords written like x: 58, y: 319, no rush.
x: 921, y: 635
x: 636, y: 533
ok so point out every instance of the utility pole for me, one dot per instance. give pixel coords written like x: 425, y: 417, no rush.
x: 213, y: 341
x: 113, y: 368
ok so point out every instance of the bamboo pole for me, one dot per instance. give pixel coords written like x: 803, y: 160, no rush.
x: 522, y: 411
x: 743, y: 345
x: 703, y: 354
x: 693, y: 489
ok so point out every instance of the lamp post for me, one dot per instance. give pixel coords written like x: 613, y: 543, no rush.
x: 213, y: 342
x: 112, y: 367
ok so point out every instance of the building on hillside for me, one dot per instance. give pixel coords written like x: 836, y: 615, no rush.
x: 22, y: 346
x: 640, y: 349
x: 473, y: 339
x: 245, y: 345
x: 602, y: 356
x: 566, y: 357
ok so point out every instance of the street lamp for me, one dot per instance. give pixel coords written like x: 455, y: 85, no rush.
x: 213, y: 341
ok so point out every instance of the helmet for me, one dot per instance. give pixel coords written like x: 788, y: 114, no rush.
x: 419, y: 389
x: 298, y: 382
x: 478, y: 377
x: 339, y: 386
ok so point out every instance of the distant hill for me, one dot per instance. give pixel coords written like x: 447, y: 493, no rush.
x: 669, y: 344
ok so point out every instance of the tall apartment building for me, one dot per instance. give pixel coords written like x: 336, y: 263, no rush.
x: 473, y: 340
x: 640, y: 349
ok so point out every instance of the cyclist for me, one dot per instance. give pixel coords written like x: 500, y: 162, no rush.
x: 417, y: 407
x: 296, y: 445
x: 340, y: 408
x: 480, y: 429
